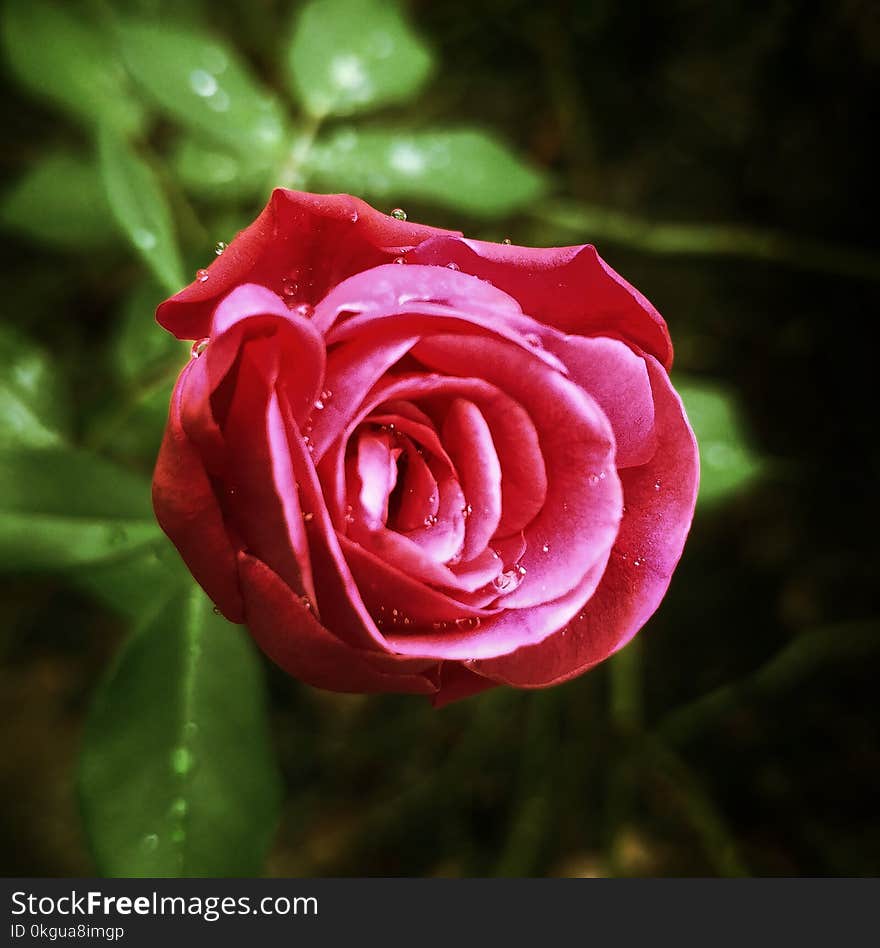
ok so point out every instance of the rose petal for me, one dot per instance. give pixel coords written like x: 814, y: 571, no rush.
x: 569, y: 288
x: 468, y: 441
x: 287, y: 631
x: 660, y: 498
x: 321, y: 238
x: 187, y: 510
x: 578, y: 521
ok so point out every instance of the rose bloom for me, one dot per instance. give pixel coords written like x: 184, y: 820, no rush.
x: 412, y: 462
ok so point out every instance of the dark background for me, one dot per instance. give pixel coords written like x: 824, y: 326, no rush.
x: 757, y: 115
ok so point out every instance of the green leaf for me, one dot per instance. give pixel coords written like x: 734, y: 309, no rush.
x: 32, y: 401
x: 464, y: 169
x: 215, y: 172
x: 202, y: 85
x: 70, y: 61
x: 129, y: 584
x: 61, y: 507
x: 349, y: 56
x: 727, y: 463
x: 177, y: 775
x: 60, y: 200
x: 141, y: 208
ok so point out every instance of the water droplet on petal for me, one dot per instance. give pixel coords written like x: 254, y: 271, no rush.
x: 202, y: 276
x: 399, y: 214
x: 593, y: 479
x: 198, y: 347
x: 429, y: 521
x: 305, y: 310
x: 452, y: 266
x: 289, y: 287
x: 219, y: 247
x: 349, y: 517
x: 507, y: 241
x: 656, y: 485
x: 545, y: 548
x: 467, y: 510
x: 508, y: 580
x: 468, y: 623
x: 354, y: 217
x: 534, y: 340
x: 307, y: 603
x: 400, y: 260
x: 308, y: 517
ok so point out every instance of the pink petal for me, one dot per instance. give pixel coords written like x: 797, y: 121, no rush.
x: 187, y: 510
x: 313, y: 240
x: 287, y: 631
x: 468, y: 441
x: 660, y: 498
x: 569, y: 288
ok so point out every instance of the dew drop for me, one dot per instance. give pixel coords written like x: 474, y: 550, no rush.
x: 452, y: 266
x: 545, y: 548
x: 219, y: 247
x: 289, y: 287
x: 181, y: 761
x: 202, y: 276
x: 593, y: 480
x: 467, y: 510
x: 144, y: 239
x: 305, y: 310
x: 308, y: 517
x: 354, y: 217
x: 656, y: 485
x: 508, y: 580
x: 430, y: 520
x: 601, y: 475
x: 216, y: 611
x: 306, y: 602
x: 198, y: 347
x: 507, y: 241
x: 468, y: 623
x: 400, y: 260
x: 399, y: 214
x: 349, y: 517
x: 202, y: 83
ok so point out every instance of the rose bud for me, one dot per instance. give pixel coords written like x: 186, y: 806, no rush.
x: 467, y: 470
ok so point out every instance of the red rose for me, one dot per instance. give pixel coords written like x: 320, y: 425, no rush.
x: 468, y: 470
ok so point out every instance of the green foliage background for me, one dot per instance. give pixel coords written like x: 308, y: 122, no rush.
x: 714, y: 156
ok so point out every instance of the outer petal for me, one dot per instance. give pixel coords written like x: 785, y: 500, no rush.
x: 314, y: 240
x: 289, y: 634
x: 569, y: 288
x: 660, y: 498
x: 187, y: 510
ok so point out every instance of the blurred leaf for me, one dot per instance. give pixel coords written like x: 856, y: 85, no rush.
x: 726, y: 461
x: 65, y: 58
x: 32, y: 403
x: 61, y: 507
x: 129, y: 584
x: 141, y: 208
x: 60, y: 200
x: 177, y: 775
x: 460, y: 168
x: 350, y: 56
x: 209, y: 171
x: 202, y: 85
x: 141, y: 348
